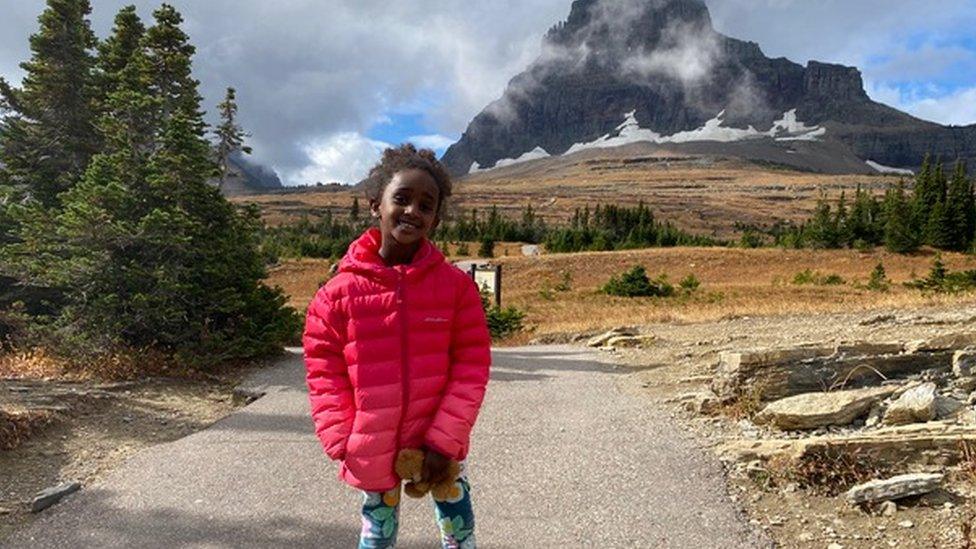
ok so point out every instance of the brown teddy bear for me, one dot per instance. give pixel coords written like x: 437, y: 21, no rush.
x: 410, y: 467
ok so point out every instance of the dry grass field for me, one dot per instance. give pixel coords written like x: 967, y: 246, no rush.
x: 705, y: 195
x: 735, y: 283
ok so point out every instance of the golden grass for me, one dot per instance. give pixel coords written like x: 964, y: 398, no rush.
x: 37, y: 363
x: 735, y: 283
x: 701, y: 197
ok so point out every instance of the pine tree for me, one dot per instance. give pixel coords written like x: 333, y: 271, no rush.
x: 354, y: 210
x: 939, y: 230
x: 230, y: 135
x: 821, y: 231
x: 153, y: 255
x: 899, y: 236
x: 961, y: 209
x: 48, y: 137
x: 921, y: 201
x: 115, y: 53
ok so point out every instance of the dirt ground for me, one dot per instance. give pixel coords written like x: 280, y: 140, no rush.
x: 684, y: 355
x: 94, y: 426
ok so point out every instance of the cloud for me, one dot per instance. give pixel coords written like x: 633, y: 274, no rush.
x: 311, y: 72
x: 344, y: 157
x: 436, y: 142
x: 956, y: 107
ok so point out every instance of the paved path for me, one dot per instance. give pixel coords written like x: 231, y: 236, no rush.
x: 562, y: 457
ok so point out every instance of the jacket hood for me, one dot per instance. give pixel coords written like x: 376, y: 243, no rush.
x: 363, y: 257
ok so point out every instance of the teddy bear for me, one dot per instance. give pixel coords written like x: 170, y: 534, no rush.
x: 410, y: 467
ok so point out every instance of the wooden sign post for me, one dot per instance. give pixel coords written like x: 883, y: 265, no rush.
x: 488, y: 278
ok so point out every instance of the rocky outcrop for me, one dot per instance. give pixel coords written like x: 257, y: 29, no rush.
x: 769, y: 374
x: 608, y: 59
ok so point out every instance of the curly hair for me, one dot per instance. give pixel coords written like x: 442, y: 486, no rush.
x: 406, y: 157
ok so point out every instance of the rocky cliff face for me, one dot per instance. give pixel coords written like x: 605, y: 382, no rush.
x: 664, y: 60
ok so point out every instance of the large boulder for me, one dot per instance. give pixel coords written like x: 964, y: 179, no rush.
x: 813, y: 410
x: 915, y: 405
x: 964, y: 363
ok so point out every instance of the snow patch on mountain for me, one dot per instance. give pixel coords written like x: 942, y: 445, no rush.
x: 787, y: 128
x: 534, y: 154
x: 888, y: 169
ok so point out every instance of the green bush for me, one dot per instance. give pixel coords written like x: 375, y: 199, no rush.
x: 487, y: 248
x: 689, y: 283
x: 501, y: 322
x: 941, y: 280
x: 635, y: 283
x: 879, y: 279
x: 808, y: 276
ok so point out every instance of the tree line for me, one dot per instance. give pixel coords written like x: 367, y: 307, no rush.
x: 112, y: 236
x: 938, y: 211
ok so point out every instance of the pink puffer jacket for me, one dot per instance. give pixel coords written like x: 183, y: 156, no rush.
x: 396, y: 357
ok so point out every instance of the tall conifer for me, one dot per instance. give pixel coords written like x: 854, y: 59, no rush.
x: 48, y: 137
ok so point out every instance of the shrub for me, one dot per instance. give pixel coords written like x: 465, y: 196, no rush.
x: 565, y: 284
x: 487, y: 248
x: 808, y: 276
x: 462, y: 249
x: 689, y: 283
x: 941, y: 280
x: 501, y: 322
x: 879, y: 280
x: 635, y: 283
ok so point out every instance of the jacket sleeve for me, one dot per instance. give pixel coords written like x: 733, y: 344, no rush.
x: 450, y: 430
x: 330, y: 393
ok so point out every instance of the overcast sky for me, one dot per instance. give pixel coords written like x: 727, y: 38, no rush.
x: 324, y: 85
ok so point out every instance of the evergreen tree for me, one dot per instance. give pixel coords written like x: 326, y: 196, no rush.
x: 115, y: 53
x: 48, y: 135
x: 153, y: 256
x: 961, y: 209
x: 899, y: 235
x: 354, y: 210
x: 923, y: 197
x: 939, y: 230
x: 230, y: 136
x: 821, y: 231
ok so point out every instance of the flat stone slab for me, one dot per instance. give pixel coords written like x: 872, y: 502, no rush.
x: 813, y: 410
x: 897, y: 487
x: 50, y: 496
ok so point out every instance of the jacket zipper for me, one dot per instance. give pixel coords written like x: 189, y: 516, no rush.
x: 405, y: 389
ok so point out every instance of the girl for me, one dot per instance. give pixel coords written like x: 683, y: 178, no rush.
x: 397, y: 351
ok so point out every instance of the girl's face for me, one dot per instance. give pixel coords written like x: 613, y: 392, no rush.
x: 407, y: 209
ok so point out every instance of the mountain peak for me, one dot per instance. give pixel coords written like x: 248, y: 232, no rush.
x: 661, y: 65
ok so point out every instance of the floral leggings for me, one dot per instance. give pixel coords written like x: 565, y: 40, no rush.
x: 381, y: 518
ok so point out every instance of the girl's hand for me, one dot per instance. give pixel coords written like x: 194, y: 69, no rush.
x: 435, y: 467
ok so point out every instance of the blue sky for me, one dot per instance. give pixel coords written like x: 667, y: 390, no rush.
x: 324, y: 85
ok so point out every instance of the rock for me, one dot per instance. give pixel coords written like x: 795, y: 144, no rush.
x: 835, y: 546
x: 805, y: 537
x: 875, y: 415
x: 934, y: 443
x: 888, y: 508
x: 914, y: 405
x: 770, y: 374
x: 897, y: 487
x: 948, y: 342
x: 699, y: 402
x: 906, y: 524
x: 629, y: 341
x: 877, y: 319
x: 964, y: 362
x: 602, y: 339
x: 50, y: 496
x: 946, y: 407
x: 812, y: 410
